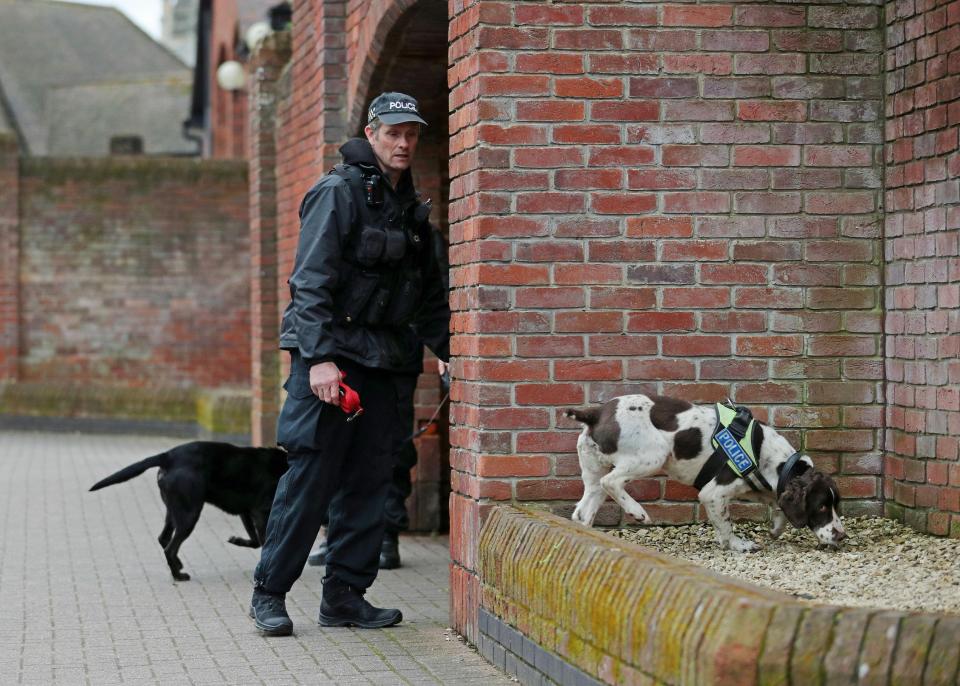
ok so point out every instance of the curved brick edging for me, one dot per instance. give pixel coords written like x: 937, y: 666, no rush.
x: 624, y: 614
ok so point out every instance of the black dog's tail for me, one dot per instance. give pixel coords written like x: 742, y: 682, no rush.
x: 136, y: 469
x: 588, y: 416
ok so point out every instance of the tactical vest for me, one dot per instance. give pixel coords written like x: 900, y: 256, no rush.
x: 384, y: 253
x: 735, y: 442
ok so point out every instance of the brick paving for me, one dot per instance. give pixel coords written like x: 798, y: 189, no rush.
x: 86, y: 596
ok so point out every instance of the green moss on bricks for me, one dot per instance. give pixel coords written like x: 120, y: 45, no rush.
x: 944, y: 661
x: 955, y: 527
x: 915, y: 519
x: 620, y: 612
x: 894, y: 511
x: 224, y: 412
x: 49, y: 400
x: 143, y: 173
x: 910, y: 656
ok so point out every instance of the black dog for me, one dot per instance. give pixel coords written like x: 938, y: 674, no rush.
x: 240, y: 481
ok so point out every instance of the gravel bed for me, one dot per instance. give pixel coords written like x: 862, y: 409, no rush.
x: 881, y: 563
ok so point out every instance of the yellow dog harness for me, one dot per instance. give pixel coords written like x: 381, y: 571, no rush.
x: 735, y: 443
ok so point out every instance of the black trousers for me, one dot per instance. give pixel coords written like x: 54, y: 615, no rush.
x: 335, y: 464
x: 404, y: 458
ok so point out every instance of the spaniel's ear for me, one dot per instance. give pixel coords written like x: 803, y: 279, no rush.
x: 793, y: 502
x: 830, y: 485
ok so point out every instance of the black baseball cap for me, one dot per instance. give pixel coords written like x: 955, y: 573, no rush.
x: 394, y: 108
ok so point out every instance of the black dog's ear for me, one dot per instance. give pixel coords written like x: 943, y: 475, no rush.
x: 793, y: 502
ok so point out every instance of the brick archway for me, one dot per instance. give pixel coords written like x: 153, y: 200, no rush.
x: 408, y: 53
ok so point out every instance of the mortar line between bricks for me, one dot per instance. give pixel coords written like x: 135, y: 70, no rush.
x: 881, y: 431
x: 956, y: 672
x: 833, y: 629
x: 926, y: 652
x: 793, y: 644
x: 698, y: 611
x: 709, y: 614
x: 860, y: 646
x: 893, y: 650
x: 763, y: 641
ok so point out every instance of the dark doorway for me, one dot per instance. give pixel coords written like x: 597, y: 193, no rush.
x: 414, y: 61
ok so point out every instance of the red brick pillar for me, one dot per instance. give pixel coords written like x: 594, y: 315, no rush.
x: 310, y: 122
x: 922, y: 472
x: 265, y: 68
x: 9, y: 257
x: 667, y: 198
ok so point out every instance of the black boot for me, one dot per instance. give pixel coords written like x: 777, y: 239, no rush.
x: 390, y: 550
x: 344, y: 605
x: 269, y: 613
x: 318, y: 558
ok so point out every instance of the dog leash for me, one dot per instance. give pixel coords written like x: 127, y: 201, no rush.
x: 350, y: 404
x: 349, y: 400
x: 444, y: 383
x: 431, y: 421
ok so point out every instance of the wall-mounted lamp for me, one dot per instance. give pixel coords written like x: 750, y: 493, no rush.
x: 231, y: 76
x: 256, y: 33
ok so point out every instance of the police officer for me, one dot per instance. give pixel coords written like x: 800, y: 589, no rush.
x: 396, y: 518
x: 366, y: 294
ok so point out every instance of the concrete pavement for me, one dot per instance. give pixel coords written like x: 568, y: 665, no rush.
x: 86, y: 596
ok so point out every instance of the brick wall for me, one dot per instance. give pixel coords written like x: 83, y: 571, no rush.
x: 134, y: 272
x: 9, y: 257
x: 681, y: 198
x: 662, y: 198
x: 677, y: 623
x: 265, y: 67
x: 922, y: 474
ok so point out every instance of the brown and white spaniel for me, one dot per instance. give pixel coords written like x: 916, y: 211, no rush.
x: 635, y: 436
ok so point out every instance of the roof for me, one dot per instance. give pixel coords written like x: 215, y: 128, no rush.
x: 6, y: 126
x: 45, y: 44
x: 151, y: 109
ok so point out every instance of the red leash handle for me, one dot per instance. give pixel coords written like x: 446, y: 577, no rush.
x: 349, y: 401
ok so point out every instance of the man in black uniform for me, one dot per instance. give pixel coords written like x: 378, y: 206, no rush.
x: 404, y: 454
x: 366, y: 294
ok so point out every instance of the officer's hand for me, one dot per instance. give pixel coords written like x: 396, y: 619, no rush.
x: 325, y: 382
x: 443, y: 368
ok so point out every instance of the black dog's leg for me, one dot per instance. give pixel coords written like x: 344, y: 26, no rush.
x: 183, y: 521
x: 254, y: 541
x: 164, y: 537
x: 259, y: 518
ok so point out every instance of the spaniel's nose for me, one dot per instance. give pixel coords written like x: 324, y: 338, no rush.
x: 839, y: 535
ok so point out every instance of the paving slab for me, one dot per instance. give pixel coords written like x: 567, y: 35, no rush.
x: 86, y: 596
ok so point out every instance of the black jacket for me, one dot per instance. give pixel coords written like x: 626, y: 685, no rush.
x: 366, y: 284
